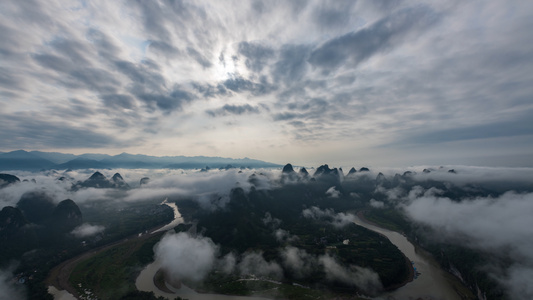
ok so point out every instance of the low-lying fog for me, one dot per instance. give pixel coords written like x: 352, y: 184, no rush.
x: 499, y: 224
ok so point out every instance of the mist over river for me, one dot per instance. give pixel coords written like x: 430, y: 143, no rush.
x: 433, y: 283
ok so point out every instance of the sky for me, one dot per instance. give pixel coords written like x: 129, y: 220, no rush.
x: 375, y: 83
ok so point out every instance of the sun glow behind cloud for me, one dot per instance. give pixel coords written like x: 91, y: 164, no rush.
x: 310, y: 79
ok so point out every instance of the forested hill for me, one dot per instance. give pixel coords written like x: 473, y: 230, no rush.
x: 37, y: 160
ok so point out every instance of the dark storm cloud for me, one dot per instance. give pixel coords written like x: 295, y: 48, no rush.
x: 10, y: 44
x: 32, y: 12
x: 76, y: 74
x: 151, y: 13
x: 357, y: 46
x: 521, y: 126
x: 434, y: 66
x: 165, y: 101
x: 257, y: 55
x: 118, y: 100
x: 139, y: 74
x: 208, y: 90
x: 105, y: 46
x: 53, y: 62
x: 333, y: 14
x: 239, y: 84
x: 229, y: 109
x: 200, y: 58
x: 72, y: 107
x: 164, y: 48
x: 9, y: 80
x: 163, y: 20
x: 286, y: 116
x: 306, y: 108
x: 385, y: 5
x: 292, y: 64
x: 22, y: 129
x: 313, y: 104
x: 96, y: 79
x: 72, y: 49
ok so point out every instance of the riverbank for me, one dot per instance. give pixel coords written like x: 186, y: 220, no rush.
x: 59, y: 276
x: 408, y: 263
x: 433, y: 282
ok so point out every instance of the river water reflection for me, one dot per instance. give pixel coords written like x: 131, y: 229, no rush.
x: 178, y: 219
x: 145, y: 280
x: 433, y: 283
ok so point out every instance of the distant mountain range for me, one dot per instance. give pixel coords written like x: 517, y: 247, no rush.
x: 38, y: 160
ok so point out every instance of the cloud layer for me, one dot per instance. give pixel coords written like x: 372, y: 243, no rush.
x: 185, y: 257
x: 10, y: 290
x: 210, y: 189
x: 86, y: 230
x: 501, y: 226
x: 398, y: 83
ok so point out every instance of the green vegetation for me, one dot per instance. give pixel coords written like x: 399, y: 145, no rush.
x: 455, y: 259
x: 138, y: 295
x: 111, y: 274
x: 264, y: 222
x: 45, y: 248
x: 221, y: 283
x: 389, y: 218
x: 470, y: 264
x: 125, y: 219
x: 242, y: 228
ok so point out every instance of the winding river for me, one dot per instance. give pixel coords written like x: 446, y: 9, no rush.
x: 178, y: 219
x: 145, y: 280
x: 433, y: 283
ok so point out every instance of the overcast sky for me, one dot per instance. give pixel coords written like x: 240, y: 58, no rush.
x: 309, y: 82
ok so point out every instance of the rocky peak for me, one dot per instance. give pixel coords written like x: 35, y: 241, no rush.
x: 380, y: 177
x: 117, y: 178
x: 144, y: 180
x: 352, y: 171
x: 67, y: 209
x: 119, y: 181
x: 287, y: 169
x: 323, y: 170
x: 11, y: 219
x: 7, y: 179
x: 98, y: 180
x: 97, y: 176
x: 36, y: 206
x: 66, y: 215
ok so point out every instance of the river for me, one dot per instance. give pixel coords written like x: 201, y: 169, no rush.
x: 433, y: 282
x: 178, y: 219
x: 145, y: 280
